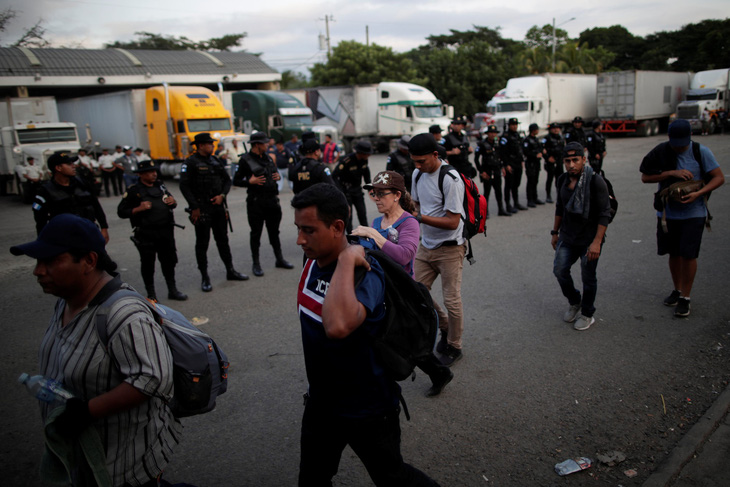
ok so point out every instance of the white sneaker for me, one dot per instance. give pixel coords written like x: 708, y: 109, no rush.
x: 572, y: 313
x: 584, y: 322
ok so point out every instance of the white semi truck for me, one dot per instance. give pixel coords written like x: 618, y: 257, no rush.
x: 639, y: 102
x: 30, y: 127
x: 378, y: 112
x: 708, y: 89
x: 544, y: 99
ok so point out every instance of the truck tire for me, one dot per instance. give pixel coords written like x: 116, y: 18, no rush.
x: 655, y: 127
x: 643, y: 129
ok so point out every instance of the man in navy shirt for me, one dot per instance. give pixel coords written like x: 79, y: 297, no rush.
x: 351, y: 398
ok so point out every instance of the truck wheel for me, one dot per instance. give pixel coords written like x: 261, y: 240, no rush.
x: 655, y: 127
x: 643, y: 129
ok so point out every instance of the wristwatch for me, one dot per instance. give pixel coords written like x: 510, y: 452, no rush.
x: 554, y: 232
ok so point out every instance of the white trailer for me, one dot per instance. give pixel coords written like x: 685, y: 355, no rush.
x: 544, y: 99
x: 378, y: 112
x: 708, y: 90
x: 30, y: 127
x: 639, y: 102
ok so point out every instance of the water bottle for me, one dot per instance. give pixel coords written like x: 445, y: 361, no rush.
x: 392, y: 234
x: 45, y: 389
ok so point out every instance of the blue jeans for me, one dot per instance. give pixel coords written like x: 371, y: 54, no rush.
x: 565, y: 256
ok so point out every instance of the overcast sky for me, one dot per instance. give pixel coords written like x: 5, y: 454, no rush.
x: 286, y: 31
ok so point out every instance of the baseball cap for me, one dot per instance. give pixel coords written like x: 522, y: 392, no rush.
x: 63, y: 233
x: 573, y: 149
x: 422, y: 144
x: 680, y: 133
x: 259, y: 138
x: 403, y: 142
x: 387, y: 180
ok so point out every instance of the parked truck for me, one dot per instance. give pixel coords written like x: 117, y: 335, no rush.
x: 639, y: 102
x: 30, y: 127
x: 710, y: 90
x: 378, y: 112
x: 279, y: 114
x: 544, y: 99
x: 163, y: 119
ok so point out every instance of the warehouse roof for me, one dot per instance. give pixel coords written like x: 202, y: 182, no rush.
x: 39, y: 67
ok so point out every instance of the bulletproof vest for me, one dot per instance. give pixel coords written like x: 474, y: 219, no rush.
x: 349, y: 171
x: 160, y: 215
x: 208, y: 179
x: 554, y: 145
x: 490, y: 158
x: 304, y: 175
x: 575, y: 135
x: 596, y: 144
x: 455, y: 139
x: 511, y: 144
x: 262, y: 166
x: 74, y: 198
x: 531, y: 147
x: 401, y: 163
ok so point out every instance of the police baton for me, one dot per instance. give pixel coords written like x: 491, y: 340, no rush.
x: 228, y: 215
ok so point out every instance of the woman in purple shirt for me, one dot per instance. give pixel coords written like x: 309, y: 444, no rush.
x: 396, y: 233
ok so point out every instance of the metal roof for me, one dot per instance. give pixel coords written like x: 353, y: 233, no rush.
x: 55, y: 64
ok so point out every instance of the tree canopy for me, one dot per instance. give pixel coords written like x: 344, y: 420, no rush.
x: 149, y: 40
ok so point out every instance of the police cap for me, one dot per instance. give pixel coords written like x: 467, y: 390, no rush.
x: 459, y: 120
x: 145, y: 166
x: 578, y: 119
x: 259, y: 138
x: 492, y: 129
x: 596, y: 123
x: 364, y: 147
x: 60, y: 157
x: 310, y: 146
x: 203, y: 138
x: 403, y: 142
x: 554, y: 125
x: 422, y: 144
x: 513, y: 121
x: 534, y: 126
x: 435, y: 129
x: 308, y: 135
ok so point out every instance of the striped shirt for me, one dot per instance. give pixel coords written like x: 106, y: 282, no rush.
x: 138, y: 442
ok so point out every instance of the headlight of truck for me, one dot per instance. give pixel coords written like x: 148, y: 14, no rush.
x: 17, y: 150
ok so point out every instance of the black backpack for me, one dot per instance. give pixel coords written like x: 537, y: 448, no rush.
x: 411, y: 321
x: 611, y: 198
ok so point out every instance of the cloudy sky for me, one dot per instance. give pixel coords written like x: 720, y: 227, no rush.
x: 286, y: 31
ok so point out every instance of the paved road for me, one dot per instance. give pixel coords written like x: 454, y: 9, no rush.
x: 529, y: 393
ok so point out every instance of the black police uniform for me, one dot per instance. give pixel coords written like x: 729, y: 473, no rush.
x: 262, y: 205
x: 531, y: 148
x: 309, y: 172
x: 486, y: 152
x: 460, y: 161
x: 573, y: 134
x: 53, y: 199
x: 200, y: 180
x: 510, y: 151
x: 402, y: 164
x: 596, y: 145
x: 154, y: 234
x: 553, y: 147
x: 348, y: 175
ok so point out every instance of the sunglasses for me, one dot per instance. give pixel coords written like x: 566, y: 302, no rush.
x: 379, y: 194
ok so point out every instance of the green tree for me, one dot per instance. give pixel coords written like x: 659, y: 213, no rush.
x: 543, y: 37
x: 536, y: 60
x: 354, y: 63
x: 627, y: 47
x: 149, y: 40
x: 292, y: 79
x: 579, y: 58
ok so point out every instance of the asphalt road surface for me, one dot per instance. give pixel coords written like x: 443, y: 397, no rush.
x: 530, y: 391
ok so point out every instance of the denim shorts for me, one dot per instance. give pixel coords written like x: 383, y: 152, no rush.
x: 683, y: 238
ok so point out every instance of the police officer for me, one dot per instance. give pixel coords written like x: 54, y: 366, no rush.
x: 66, y: 193
x: 596, y: 145
x: 310, y: 170
x: 576, y: 133
x: 436, y: 130
x: 257, y: 172
x: 349, y: 174
x: 148, y: 205
x: 510, y: 151
x: 552, y: 149
x: 532, y: 149
x: 204, y: 182
x: 458, y: 148
x: 490, y: 167
x: 400, y: 161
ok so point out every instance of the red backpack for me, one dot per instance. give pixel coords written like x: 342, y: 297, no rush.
x: 475, y: 205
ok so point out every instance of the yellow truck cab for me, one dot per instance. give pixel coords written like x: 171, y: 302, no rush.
x: 175, y: 114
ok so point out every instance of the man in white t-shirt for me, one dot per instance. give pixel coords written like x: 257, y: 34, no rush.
x: 438, y: 192
x: 108, y: 171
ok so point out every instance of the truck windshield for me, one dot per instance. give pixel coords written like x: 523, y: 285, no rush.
x: 39, y: 136
x: 208, y: 125
x: 428, y: 112
x: 706, y: 96
x: 297, y: 120
x: 518, y: 106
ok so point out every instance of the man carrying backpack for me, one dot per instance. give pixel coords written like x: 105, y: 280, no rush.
x: 582, y: 214
x: 443, y: 246
x: 680, y: 161
x: 121, y: 391
x: 351, y: 399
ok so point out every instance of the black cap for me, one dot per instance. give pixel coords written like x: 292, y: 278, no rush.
x: 422, y: 144
x: 596, y: 123
x: 573, y: 149
x: 364, y: 147
x: 513, y: 121
x: 680, y: 133
x: 435, y: 129
x: 534, y: 126
x: 309, y: 146
x: 459, y: 120
x: 60, y: 157
x: 145, y: 166
x: 441, y: 150
x: 203, y: 138
x: 492, y: 129
x: 554, y: 125
x: 138, y: 149
x: 578, y: 119
x: 258, y: 138
x: 308, y: 135
x: 63, y: 233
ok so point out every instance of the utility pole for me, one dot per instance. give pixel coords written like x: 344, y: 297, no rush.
x: 327, y: 19
x: 367, y: 36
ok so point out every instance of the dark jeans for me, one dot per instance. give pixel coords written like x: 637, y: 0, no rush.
x: 512, y: 184
x: 565, y: 256
x: 355, y: 197
x: 212, y: 218
x: 376, y: 440
x: 264, y: 210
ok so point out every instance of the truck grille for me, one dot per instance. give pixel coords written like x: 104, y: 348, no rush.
x: 688, y: 113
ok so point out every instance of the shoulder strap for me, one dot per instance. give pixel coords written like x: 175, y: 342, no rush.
x: 102, y: 312
x: 697, y: 154
x: 397, y: 224
x: 443, y: 171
